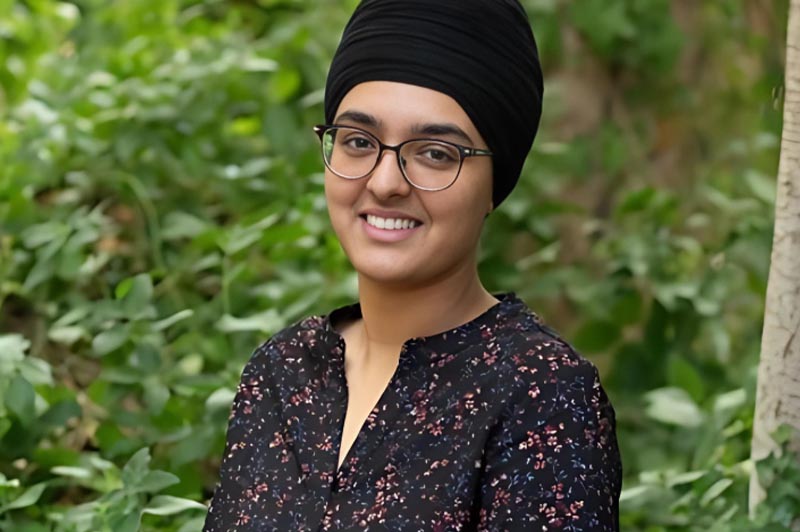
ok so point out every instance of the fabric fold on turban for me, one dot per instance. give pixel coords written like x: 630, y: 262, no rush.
x: 482, y: 53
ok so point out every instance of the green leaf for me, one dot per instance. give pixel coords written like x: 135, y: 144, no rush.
x: 43, y: 270
x: 123, y: 288
x: 36, y: 371
x: 136, y: 294
x: 8, y: 483
x: 154, y: 481
x: 12, y: 350
x: 194, y: 447
x: 715, y: 491
x: 258, y: 64
x: 637, y: 200
x: 193, y: 525
x: 73, y: 316
x: 221, y: 399
x: 726, y: 404
x: 38, y: 235
x: 168, y: 505
x: 136, y: 468
x: 239, y: 238
x: 667, y: 293
x: 673, y: 406
x: 28, y: 498
x: 20, y: 398
x: 72, y: 471
x: 66, y: 335
x: 110, y: 340
x: 172, y: 320
x: 638, y: 494
x: 130, y: 521
x: 762, y: 186
x: 146, y: 358
x: 685, y: 478
x: 156, y: 394
x: 266, y: 322
x: 682, y: 374
x: 179, y: 225
x: 61, y: 412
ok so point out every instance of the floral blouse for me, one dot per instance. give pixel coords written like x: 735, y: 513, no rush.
x: 497, y: 424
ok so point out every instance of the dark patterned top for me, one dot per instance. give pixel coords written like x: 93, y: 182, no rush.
x: 497, y: 424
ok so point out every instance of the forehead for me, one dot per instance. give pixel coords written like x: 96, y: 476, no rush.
x: 402, y: 105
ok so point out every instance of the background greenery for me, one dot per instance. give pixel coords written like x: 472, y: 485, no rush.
x: 161, y: 213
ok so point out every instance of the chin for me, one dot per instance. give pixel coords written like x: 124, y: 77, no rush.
x: 390, y: 273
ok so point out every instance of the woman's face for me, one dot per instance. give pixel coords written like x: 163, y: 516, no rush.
x: 447, y: 223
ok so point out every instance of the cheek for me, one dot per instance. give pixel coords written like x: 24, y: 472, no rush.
x: 341, y: 197
x: 339, y: 194
x: 333, y: 202
x: 458, y: 222
x: 465, y: 207
x: 468, y: 213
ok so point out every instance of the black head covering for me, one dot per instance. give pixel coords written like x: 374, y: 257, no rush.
x: 482, y: 53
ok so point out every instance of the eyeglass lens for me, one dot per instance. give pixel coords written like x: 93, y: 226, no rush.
x: 428, y: 164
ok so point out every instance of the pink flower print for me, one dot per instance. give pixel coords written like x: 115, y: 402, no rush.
x: 436, y: 429
x: 242, y: 518
x: 303, y: 396
x: 534, y: 391
x: 277, y: 439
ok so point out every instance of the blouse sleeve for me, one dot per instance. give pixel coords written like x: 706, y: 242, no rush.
x: 245, y: 422
x: 553, y: 463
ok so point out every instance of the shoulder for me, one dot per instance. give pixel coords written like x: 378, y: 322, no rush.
x: 304, y: 331
x: 554, y: 444
x: 548, y: 373
x: 557, y: 392
x: 287, y: 344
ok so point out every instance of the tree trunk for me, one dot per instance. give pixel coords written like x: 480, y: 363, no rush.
x: 778, y: 395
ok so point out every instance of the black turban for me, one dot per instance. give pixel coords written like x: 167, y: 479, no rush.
x: 482, y: 53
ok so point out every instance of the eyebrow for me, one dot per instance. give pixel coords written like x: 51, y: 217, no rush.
x: 365, y: 119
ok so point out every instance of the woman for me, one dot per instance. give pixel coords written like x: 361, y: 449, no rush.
x: 430, y: 404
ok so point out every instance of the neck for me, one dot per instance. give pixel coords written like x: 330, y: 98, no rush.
x: 393, y: 314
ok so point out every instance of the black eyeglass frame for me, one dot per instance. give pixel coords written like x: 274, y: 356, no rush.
x: 463, y: 151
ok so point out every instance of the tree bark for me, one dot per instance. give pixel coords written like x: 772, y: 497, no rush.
x: 778, y: 394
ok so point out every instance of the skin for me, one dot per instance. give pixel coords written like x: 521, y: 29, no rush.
x: 422, y: 285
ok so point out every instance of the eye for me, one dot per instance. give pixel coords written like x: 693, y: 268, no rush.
x: 439, y: 155
x: 359, y: 143
x: 434, y: 153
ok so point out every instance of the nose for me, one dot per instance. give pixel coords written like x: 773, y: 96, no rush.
x: 386, y: 179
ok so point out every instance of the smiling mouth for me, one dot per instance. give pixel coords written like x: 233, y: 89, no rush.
x: 390, y: 224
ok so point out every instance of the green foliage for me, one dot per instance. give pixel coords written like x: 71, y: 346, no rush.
x: 640, y: 35
x: 124, y: 500
x: 161, y: 212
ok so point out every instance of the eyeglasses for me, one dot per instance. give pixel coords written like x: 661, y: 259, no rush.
x: 427, y: 164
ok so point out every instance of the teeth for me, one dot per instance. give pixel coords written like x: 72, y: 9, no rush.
x: 390, y: 223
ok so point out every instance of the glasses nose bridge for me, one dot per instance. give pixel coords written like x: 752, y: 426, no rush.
x: 396, y: 149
